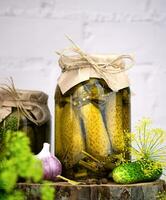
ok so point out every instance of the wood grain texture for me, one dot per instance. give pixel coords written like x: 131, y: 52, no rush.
x: 110, y: 191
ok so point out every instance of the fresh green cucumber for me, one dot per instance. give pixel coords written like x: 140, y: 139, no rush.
x: 138, y: 171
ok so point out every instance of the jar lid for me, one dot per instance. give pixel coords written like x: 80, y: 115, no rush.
x: 34, y: 102
x: 77, y: 68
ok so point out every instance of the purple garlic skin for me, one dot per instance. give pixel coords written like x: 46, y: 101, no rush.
x: 52, y: 167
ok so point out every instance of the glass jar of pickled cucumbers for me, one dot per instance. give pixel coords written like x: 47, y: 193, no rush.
x: 92, y: 123
x: 92, y: 113
x: 26, y: 111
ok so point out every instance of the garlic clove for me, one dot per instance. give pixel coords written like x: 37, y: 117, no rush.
x: 52, y: 167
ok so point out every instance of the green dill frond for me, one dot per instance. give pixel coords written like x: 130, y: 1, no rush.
x: 148, y: 143
x: 11, y: 122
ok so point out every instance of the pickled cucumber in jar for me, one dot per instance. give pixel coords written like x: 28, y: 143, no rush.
x: 97, y: 140
x: 91, y: 119
x: 117, y: 114
x: 71, y: 136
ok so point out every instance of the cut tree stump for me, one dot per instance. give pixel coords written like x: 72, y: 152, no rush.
x: 109, y: 191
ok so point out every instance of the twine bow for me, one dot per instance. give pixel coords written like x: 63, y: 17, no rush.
x: 11, y: 90
x: 102, y: 69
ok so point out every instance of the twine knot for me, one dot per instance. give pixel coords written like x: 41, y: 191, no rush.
x: 117, y: 65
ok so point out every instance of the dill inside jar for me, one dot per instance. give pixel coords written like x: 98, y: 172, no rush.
x: 92, y: 115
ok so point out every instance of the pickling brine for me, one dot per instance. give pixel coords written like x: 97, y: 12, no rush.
x: 92, y: 125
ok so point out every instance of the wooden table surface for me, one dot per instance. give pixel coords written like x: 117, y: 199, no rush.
x: 109, y: 191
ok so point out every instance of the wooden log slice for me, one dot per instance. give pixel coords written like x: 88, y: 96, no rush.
x: 109, y: 191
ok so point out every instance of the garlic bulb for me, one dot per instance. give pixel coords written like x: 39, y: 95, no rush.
x: 51, y: 165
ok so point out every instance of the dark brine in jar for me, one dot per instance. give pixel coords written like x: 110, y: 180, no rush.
x: 92, y: 123
x: 37, y: 135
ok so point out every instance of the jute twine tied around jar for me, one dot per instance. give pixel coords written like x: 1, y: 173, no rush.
x: 109, y: 67
x: 31, y: 104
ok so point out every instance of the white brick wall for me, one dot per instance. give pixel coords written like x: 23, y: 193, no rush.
x: 32, y: 30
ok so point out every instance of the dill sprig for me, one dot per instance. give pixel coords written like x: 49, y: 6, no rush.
x: 148, y: 143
